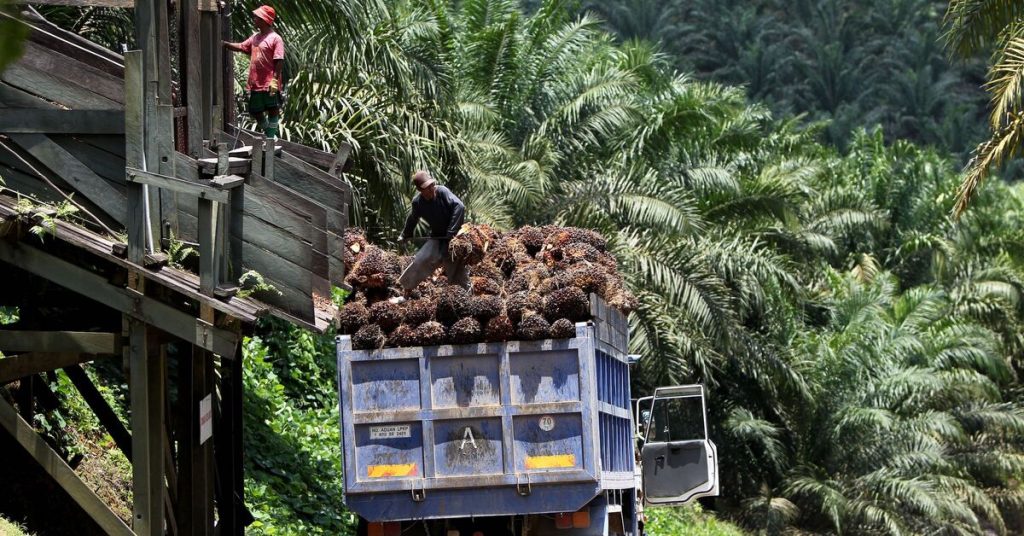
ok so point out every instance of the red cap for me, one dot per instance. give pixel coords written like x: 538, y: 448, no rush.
x: 265, y: 13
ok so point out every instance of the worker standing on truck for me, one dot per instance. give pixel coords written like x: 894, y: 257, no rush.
x: 266, y: 59
x: 444, y: 213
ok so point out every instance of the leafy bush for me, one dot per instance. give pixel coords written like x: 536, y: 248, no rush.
x: 689, y: 520
x: 293, y: 471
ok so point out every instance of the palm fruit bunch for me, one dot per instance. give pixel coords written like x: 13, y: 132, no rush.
x: 369, y: 337
x: 352, y: 316
x: 471, y: 243
x: 568, y: 302
x: 507, y: 252
x: 387, y: 314
x: 532, y: 283
x: 533, y: 327
x: 355, y: 245
x: 374, y: 269
x: 563, y: 328
x: 465, y: 331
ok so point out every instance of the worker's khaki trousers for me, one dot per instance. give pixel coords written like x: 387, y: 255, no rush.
x: 431, y: 255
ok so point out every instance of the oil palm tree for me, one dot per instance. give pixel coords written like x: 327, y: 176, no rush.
x: 974, y: 27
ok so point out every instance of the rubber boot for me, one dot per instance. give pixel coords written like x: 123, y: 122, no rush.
x: 273, y: 124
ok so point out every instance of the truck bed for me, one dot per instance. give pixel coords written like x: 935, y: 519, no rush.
x: 520, y: 427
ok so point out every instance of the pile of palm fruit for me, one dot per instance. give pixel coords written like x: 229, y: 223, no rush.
x: 531, y: 283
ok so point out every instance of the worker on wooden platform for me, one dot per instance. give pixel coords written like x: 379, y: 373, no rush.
x: 266, y: 60
x: 443, y: 212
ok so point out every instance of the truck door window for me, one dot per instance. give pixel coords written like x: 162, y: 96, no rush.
x: 677, y: 419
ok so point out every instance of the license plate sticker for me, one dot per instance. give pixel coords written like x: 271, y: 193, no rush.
x: 391, y: 431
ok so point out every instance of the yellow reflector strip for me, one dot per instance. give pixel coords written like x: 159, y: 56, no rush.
x: 548, y: 462
x: 382, y: 471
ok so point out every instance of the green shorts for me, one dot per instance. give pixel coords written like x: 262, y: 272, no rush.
x: 260, y: 101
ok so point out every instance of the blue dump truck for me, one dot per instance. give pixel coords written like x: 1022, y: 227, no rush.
x: 520, y: 438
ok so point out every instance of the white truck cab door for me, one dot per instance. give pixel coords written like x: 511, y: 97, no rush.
x: 678, y: 461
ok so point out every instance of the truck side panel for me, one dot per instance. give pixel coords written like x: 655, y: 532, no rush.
x: 521, y: 427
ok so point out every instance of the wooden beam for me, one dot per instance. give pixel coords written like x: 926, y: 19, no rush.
x: 82, y: 342
x: 122, y: 437
x: 84, y: 180
x: 63, y: 475
x: 198, y: 189
x: 76, y: 47
x: 144, y: 308
x: 73, y: 72
x: 125, y: 4
x: 53, y: 88
x: 19, y: 366
x: 36, y: 121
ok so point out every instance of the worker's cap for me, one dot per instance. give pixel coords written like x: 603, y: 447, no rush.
x: 265, y: 13
x: 422, y: 179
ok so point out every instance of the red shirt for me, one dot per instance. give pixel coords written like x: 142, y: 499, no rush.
x: 263, y: 49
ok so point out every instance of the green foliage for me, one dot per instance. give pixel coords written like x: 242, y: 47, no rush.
x: 178, y: 253
x: 689, y: 520
x: 292, y: 443
x: 338, y: 296
x: 853, y: 64
x: 44, y: 216
x: 8, y: 528
x: 974, y: 27
x: 8, y: 315
x: 252, y: 283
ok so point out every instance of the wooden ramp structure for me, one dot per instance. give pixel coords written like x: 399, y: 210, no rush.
x: 154, y: 163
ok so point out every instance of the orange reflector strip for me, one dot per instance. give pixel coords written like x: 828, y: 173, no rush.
x: 548, y: 462
x: 382, y: 471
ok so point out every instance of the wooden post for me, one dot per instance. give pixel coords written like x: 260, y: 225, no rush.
x: 231, y: 508
x: 134, y: 136
x: 207, y: 257
x: 228, y: 68
x: 221, y: 245
x: 163, y: 205
x: 146, y: 392
x: 193, y: 76
x: 195, y: 496
x: 236, y: 208
x: 269, y: 145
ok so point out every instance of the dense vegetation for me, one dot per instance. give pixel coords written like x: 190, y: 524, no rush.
x: 853, y: 64
x: 861, y: 348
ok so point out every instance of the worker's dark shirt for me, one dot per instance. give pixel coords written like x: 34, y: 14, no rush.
x: 444, y: 214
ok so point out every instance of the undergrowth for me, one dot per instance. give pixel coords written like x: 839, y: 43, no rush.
x: 293, y: 478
